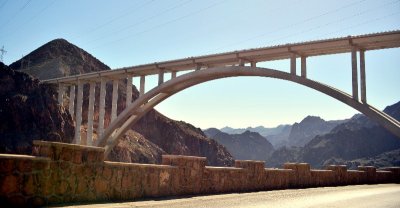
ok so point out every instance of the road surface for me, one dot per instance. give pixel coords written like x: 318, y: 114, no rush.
x: 383, y: 195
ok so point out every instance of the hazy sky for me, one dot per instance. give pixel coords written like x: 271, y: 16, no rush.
x: 125, y: 33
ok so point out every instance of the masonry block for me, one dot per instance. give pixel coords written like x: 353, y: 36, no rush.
x: 190, y: 171
x: 302, y: 172
x: 395, y: 173
x: 68, y: 152
x: 340, y: 172
x: 370, y: 171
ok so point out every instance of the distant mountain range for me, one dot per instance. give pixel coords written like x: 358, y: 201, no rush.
x: 297, y: 134
x: 244, y: 146
x: 355, y: 141
x: 357, y: 138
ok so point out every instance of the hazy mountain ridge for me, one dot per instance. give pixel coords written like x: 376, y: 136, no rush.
x: 245, y: 146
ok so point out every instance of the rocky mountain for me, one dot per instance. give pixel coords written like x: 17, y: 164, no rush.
x: 263, y: 131
x: 152, y: 136
x: 311, y: 126
x: 357, y: 138
x: 29, y: 110
x: 276, y: 135
x: 386, y: 159
x: 245, y: 146
x: 280, y: 139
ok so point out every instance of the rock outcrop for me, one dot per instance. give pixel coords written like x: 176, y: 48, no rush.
x: 29, y: 111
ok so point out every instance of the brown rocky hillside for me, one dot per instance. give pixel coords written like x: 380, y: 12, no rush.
x: 152, y: 136
x: 29, y: 110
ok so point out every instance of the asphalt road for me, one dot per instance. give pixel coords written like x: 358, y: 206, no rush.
x: 383, y: 195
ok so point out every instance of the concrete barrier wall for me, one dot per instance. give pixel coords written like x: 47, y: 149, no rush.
x: 64, y: 173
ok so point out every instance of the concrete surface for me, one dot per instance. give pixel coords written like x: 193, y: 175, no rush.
x: 382, y: 195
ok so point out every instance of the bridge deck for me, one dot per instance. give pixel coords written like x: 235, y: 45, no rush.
x: 306, y: 49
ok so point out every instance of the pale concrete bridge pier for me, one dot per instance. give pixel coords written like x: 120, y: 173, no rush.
x: 205, y: 68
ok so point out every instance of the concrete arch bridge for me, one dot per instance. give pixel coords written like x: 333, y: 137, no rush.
x: 211, y: 67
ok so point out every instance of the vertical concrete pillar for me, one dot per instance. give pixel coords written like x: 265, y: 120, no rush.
x: 142, y: 83
x: 160, y: 76
x: 362, y: 77
x: 102, y: 105
x: 78, y: 121
x: 304, y: 67
x: 253, y: 64
x: 89, y: 140
x: 114, y: 102
x: 241, y: 62
x: 71, y: 106
x: 61, y: 94
x: 293, y: 64
x: 354, y: 73
x: 128, y: 89
x: 173, y: 74
x: 198, y: 67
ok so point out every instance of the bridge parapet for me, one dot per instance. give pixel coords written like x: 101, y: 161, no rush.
x: 65, y: 173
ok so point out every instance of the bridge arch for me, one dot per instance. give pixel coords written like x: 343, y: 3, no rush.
x: 147, y: 101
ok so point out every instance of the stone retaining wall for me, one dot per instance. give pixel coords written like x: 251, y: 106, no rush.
x: 63, y: 173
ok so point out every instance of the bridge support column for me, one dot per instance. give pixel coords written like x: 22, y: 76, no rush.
x: 354, y: 73
x: 198, y: 67
x: 78, y: 116
x: 253, y: 64
x: 114, y: 102
x: 173, y: 74
x: 71, y: 106
x: 102, y: 110
x: 61, y: 90
x: 142, y: 83
x: 92, y: 90
x: 304, y: 67
x: 362, y: 77
x: 241, y: 62
x: 293, y: 64
x: 161, y: 76
x: 128, y: 89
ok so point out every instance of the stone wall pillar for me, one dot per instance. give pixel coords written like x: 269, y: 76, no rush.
x: 371, y: 173
x: 72, y: 173
x: 302, y: 172
x: 340, y: 172
x: 190, y: 172
x: 255, y: 173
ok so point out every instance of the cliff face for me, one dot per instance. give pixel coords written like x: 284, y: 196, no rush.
x: 154, y: 134
x: 29, y: 111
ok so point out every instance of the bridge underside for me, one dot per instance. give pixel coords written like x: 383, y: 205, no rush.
x: 147, y: 101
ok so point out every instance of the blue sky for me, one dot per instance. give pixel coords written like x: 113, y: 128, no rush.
x: 125, y: 33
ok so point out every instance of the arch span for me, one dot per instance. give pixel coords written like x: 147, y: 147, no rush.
x: 146, y: 102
